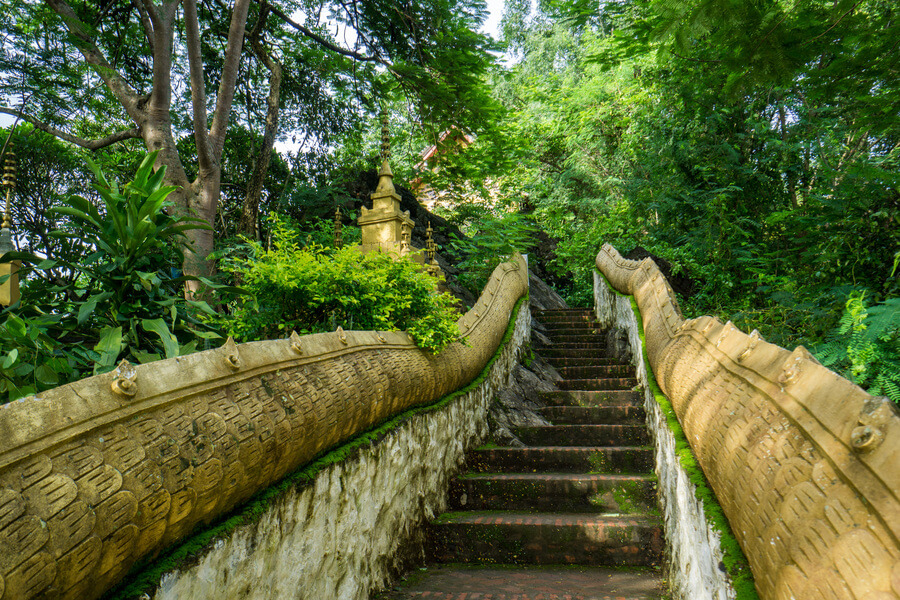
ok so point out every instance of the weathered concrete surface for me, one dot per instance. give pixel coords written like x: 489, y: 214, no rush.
x: 352, y: 530
x: 805, y: 464
x: 692, y: 544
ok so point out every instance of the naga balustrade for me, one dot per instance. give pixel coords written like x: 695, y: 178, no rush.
x: 805, y: 464
x: 102, y: 473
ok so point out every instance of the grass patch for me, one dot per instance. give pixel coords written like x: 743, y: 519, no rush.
x: 735, y: 561
x: 145, y: 575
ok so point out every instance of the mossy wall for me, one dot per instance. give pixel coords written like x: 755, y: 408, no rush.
x: 703, y: 558
x: 347, y: 524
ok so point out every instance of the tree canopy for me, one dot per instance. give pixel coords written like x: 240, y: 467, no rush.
x: 97, y: 74
x: 754, y: 145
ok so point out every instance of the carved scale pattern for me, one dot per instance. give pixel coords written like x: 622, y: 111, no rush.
x: 91, y: 482
x: 816, y: 513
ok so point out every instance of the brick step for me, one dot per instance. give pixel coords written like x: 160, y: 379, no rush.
x: 577, y: 325
x: 596, y: 371
x: 605, y: 383
x: 586, y: 415
x: 517, y: 582
x: 568, y: 459
x: 580, y: 361
x: 572, y: 315
x: 596, y: 347
x: 557, y: 492
x: 557, y: 351
x: 567, y: 337
x: 584, y: 435
x: 591, y: 397
x: 521, y: 537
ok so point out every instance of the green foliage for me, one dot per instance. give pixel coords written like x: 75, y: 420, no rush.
x: 491, y: 241
x: 865, y: 346
x: 313, y: 288
x: 124, y: 298
x: 33, y: 359
x: 763, y: 167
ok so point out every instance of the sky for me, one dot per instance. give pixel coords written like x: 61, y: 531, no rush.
x: 492, y: 25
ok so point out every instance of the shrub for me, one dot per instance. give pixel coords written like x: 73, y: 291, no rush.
x: 865, y: 346
x: 314, y: 289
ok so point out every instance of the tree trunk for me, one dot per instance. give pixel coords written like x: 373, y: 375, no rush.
x: 250, y: 208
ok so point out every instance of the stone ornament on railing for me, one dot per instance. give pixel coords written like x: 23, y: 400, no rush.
x: 805, y: 464
x: 94, y: 478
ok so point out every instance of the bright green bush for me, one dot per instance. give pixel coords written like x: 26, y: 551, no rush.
x: 865, y: 346
x: 313, y: 289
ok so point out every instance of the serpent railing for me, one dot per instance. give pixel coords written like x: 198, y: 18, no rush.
x: 805, y: 464
x: 99, y: 474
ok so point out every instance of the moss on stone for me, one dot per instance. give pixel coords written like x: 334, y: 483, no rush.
x: 734, y: 560
x: 145, y: 575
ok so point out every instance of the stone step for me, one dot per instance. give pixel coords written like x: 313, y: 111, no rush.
x: 578, y: 326
x: 555, y: 492
x: 568, y: 459
x: 518, y: 582
x: 565, y: 318
x: 521, y: 537
x: 552, y: 312
x: 595, y: 384
x: 596, y: 371
x: 579, y: 361
x: 567, y: 337
x: 583, y: 435
x: 586, y: 415
x: 573, y: 351
x: 591, y: 397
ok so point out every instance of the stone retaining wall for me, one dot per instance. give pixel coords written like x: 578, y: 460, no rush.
x: 805, y: 464
x: 110, y: 470
x: 352, y: 529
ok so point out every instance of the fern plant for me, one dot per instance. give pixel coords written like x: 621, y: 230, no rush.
x: 865, y: 346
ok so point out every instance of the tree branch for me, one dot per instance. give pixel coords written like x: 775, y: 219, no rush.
x: 205, y: 155
x: 700, y: 60
x: 109, y: 140
x: 84, y: 42
x: 146, y: 21
x: 835, y: 24
x: 228, y: 80
x: 326, y: 43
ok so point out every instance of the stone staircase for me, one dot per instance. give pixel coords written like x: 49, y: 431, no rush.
x: 557, y: 518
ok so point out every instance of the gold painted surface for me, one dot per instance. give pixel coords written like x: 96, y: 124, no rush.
x: 92, y: 480
x: 805, y: 464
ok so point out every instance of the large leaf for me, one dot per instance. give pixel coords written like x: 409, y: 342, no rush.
x: 109, y: 347
x: 159, y: 327
x: 88, y: 306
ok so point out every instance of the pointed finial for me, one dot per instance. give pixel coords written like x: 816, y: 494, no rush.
x: 405, y: 237
x: 9, y: 181
x: 338, y: 237
x: 430, y: 246
x: 385, y: 176
x: 385, y: 137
